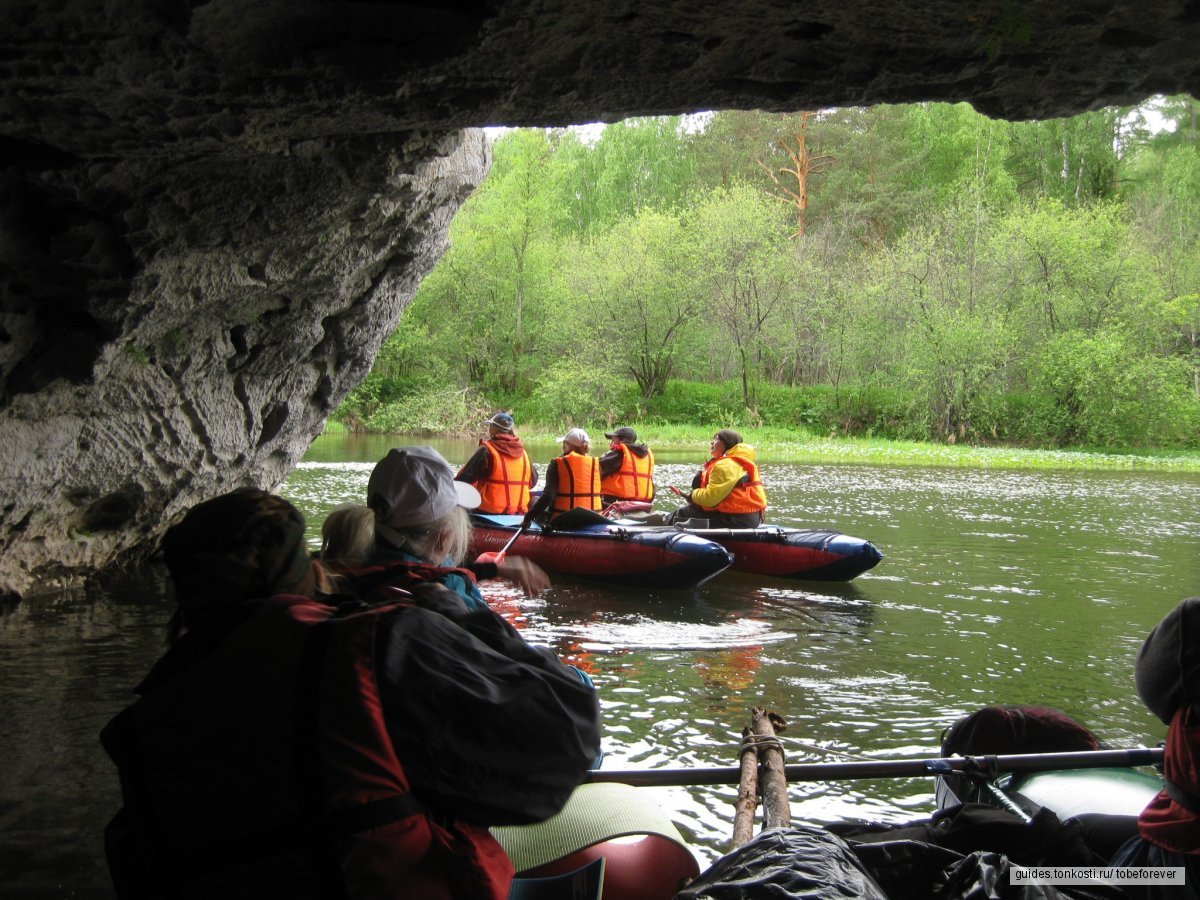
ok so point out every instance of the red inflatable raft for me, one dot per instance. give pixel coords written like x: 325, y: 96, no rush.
x: 586, y: 544
x: 808, y: 554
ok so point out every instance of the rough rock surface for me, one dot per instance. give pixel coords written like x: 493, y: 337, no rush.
x: 211, y: 214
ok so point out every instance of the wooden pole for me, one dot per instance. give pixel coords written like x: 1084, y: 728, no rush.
x: 764, y: 727
x: 747, y: 799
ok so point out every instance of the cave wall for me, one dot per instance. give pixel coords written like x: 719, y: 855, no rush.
x: 212, y: 213
x: 193, y: 334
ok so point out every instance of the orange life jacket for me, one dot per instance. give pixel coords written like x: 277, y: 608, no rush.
x: 578, y: 483
x: 746, y: 496
x: 634, y: 480
x: 293, y: 790
x: 506, y: 489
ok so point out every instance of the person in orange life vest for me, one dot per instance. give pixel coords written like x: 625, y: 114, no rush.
x: 627, y: 469
x: 292, y: 743
x: 1167, y: 676
x: 500, y: 470
x: 728, y: 491
x: 572, y: 480
x: 416, y: 515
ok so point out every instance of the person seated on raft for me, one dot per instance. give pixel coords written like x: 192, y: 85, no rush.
x: 572, y: 480
x: 500, y: 470
x: 627, y: 469
x: 1167, y: 676
x: 416, y: 514
x: 288, y: 746
x: 728, y: 492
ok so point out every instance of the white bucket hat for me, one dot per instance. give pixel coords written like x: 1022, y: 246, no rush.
x: 415, y: 486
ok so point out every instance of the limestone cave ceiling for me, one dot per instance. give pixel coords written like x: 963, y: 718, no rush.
x: 212, y: 213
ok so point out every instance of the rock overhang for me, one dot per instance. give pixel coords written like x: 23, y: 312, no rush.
x: 213, y: 214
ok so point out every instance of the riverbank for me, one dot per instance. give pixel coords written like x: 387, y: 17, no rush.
x: 786, y: 445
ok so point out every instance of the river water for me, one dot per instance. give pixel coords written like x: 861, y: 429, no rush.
x: 996, y: 587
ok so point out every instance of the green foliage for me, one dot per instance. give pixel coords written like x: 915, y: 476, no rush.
x: 637, y: 165
x: 433, y: 411
x: 689, y: 401
x: 1099, y: 390
x: 959, y: 279
x: 568, y: 394
x: 1071, y: 160
x: 499, y: 277
x: 642, y: 309
x: 137, y: 354
x: 960, y: 152
x: 742, y: 266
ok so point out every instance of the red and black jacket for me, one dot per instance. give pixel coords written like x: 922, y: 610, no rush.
x: 264, y: 768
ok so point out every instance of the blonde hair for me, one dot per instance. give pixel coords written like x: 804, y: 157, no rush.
x: 348, y: 535
x: 449, y: 536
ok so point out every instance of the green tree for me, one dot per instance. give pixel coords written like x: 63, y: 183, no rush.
x: 743, y: 269
x: 1069, y: 269
x: 958, y: 278
x: 487, y: 302
x: 637, y: 164
x: 955, y: 342
x: 1072, y: 160
x: 728, y: 150
x: 1163, y: 192
x: 1100, y: 389
x: 871, y: 193
x: 640, y: 308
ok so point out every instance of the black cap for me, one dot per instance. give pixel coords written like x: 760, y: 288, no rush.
x: 624, y: 433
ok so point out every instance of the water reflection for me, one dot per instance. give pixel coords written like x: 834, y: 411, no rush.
x: 996, y: 587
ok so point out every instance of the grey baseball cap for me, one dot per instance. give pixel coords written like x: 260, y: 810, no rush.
x: 415, y: 486
x: 576, y: 437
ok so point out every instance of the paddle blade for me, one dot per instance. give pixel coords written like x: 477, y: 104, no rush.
x: 490, y: 557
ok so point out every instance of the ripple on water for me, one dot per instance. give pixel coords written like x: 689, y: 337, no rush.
x: 996, y: 587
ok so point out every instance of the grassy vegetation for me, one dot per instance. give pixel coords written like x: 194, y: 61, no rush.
x: 784, y: 445
x: 788, y: 425
x: 796, y: 445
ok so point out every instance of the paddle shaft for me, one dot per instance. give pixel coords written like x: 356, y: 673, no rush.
x: 890, y: 768
x: 498, y: 558
x: 512, y: 540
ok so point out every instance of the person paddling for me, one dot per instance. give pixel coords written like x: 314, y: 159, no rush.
x: 292, y: 744
x: 572, y: 480
x: 416, y: 515
x: 728, y: 492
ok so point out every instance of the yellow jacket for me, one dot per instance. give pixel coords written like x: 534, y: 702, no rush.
x: 722, y: 476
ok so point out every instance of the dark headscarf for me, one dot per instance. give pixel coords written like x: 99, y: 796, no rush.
x: 1167, y: 672
x: 234, y: 548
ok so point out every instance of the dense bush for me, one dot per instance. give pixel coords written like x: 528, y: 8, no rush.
x: 568, y: 394
x: 430, y: 410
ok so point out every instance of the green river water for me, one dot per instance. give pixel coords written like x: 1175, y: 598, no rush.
x: 996, y: 587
